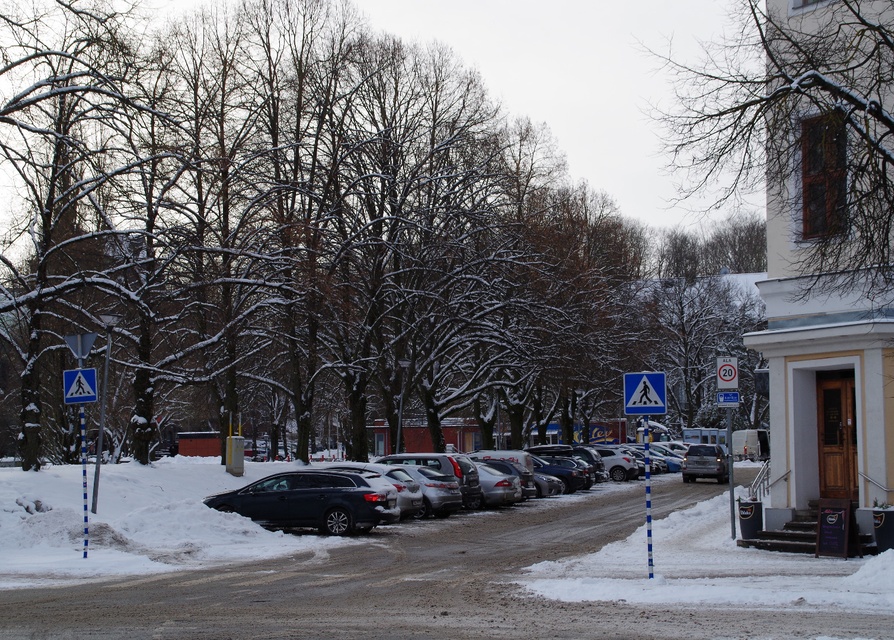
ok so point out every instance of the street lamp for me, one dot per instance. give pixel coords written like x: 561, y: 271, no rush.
x: 109, y: 320
x: 404, y: 365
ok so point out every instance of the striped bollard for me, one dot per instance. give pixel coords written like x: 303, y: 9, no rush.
x: 648, y: 498
x: 84, y: 468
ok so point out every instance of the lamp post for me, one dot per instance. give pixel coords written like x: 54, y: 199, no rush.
x: 109, y: 320
x: 404, y: 365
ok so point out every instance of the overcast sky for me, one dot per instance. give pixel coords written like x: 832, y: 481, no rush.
x: 578, y: 66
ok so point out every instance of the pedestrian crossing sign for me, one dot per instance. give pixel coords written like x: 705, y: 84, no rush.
x: 79, y: 385
x: 645, y: 393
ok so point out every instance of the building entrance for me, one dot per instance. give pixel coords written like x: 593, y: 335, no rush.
x: 837, y: 424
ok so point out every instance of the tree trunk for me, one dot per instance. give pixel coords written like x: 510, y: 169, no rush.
x: 30, y: 439
x: 356, y: 384
x: 144, y: 396
x: 433, y: 419
x: 486, y: 424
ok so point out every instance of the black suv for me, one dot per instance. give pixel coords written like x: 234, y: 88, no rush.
x: 572, y: 477
x: 336, y: 502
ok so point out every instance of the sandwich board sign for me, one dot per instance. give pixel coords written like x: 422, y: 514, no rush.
x: 79, y: 386
x: 645, y: 393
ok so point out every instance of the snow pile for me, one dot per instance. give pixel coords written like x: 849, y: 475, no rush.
x: 696, y: 562
x: 149, y: 520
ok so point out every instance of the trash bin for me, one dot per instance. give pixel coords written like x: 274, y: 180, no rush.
x: 883, y: 526
x: 751, y: 519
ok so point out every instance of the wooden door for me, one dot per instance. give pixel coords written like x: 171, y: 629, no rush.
x: 837, y: 423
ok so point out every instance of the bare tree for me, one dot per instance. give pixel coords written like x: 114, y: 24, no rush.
x: 779, y: 81
x: 62, y: 65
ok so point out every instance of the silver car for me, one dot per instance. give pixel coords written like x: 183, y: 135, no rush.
x: 498, y: 488
x: 548, y: 486
x: 459, y: 465
x: 440, y: 493
x: 409, y: 492
x: 706, y: 461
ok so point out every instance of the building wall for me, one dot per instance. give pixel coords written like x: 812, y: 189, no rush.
x: 201, y: 445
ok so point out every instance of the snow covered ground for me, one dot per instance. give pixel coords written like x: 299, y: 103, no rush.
x: 151, y: 519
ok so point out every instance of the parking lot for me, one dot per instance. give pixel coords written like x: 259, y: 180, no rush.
x: 415, y: 580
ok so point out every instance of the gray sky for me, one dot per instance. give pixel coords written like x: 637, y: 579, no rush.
x: 578, y: 66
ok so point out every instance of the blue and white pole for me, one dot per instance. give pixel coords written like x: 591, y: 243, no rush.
x: 84, y: 469
x: 648, y: 497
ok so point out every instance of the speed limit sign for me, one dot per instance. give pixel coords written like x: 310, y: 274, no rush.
x: 727, y: 373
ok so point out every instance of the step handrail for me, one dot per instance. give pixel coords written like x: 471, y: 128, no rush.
x: 879, y: 485
x: 761, y: 485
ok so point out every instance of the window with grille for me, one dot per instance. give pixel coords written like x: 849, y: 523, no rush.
x: 823, y: 175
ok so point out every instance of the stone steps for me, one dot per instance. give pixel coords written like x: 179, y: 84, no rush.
x: 799, y: 536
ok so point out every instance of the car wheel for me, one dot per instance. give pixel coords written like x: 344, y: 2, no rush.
x: 539, y: 491
x: 618, y: 474
x: 425, y: 512
x: 474, y: 504
x: 337, y: 522
x: 565, y: 487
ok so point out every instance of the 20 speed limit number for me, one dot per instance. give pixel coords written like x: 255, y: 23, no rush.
x: 727, y: 373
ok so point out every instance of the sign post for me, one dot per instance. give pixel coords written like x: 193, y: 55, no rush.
x: 645, y: 394
x: 79, y: 387
x: 728, y: 378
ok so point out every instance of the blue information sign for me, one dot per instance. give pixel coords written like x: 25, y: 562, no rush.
x: 728, y: 398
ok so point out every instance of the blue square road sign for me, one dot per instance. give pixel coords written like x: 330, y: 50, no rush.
x: 645, y: 393
x: 79, y: 386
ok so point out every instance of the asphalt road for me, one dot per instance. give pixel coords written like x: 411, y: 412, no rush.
x: 439, y: 578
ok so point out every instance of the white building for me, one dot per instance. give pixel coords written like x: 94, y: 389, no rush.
x: 830, y: 356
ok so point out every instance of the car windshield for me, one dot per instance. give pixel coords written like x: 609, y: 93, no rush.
x: 399, y: 474
x: 432, y: 474
x: 702, y: 450
x: 465, y: 465
x: 490, y: 470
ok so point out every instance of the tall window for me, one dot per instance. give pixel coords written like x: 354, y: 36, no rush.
x: 823, y: 175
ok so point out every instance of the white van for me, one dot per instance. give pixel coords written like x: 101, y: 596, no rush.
x: 751, y: 444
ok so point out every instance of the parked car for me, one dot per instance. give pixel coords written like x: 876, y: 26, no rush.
x: 511, y: 468
x: 587, y: 471
x: 441, y: 496
x: 550, y: 449
x: 668, y: 452
x: 409, y: 493
x: 638, y: 460
x: 672, y: 461
x: 336, y: 502
x: 571, y: 477
x: 458, y: 465
x: 515, y: 456
x: 548, y: 486
x: 498, y: 489
x: 621, y: 466
x: 656, y: 460
x: 587, y: 452
x: 705, y: 461
x: 675, y: 446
